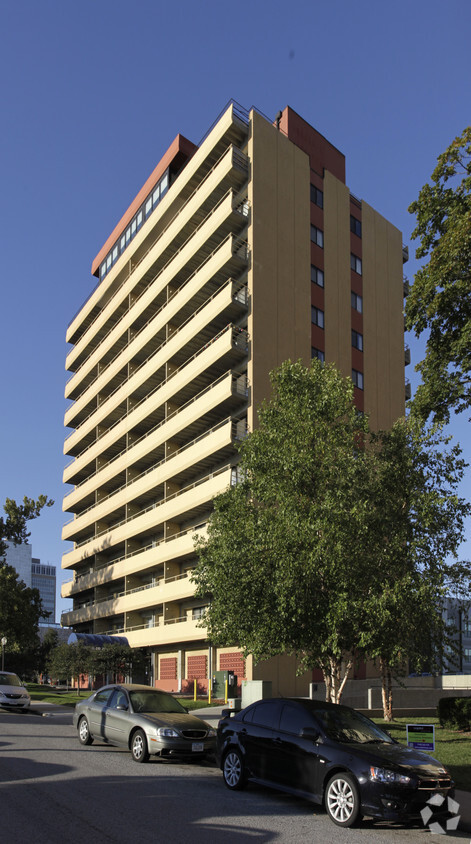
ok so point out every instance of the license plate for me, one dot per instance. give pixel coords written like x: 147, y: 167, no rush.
x: 197, y: 746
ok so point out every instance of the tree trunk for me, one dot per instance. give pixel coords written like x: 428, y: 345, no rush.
x: 336, y: 673
x: 386, y: 689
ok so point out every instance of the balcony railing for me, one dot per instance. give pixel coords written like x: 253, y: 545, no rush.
x: 152, y: 545
x: 103, y: 600
x: 239, y: 160
x: 241, y: 208
x: 235, y: 435
x: 235, y: 379
x: 240, y: 248
x: 156, y: 506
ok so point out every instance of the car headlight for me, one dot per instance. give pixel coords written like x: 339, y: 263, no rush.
x: 167, y: 732
x: 390, y: 777
x: 2, y: 694
x: 211, y: 733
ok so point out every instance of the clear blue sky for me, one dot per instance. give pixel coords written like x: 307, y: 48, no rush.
x: 93, y: 93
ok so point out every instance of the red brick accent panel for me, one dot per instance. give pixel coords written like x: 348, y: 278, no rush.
x: 233, y: 662
x: 168, y: 668
x: 197, y: 667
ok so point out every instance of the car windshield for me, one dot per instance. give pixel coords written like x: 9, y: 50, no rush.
x: 154, y: 701
x: 9, y: 680
x: 346, y: 725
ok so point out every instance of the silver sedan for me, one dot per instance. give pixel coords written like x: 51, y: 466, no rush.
x: 148, y: 721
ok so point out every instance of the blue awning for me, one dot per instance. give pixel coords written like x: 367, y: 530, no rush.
x: 97, y: 640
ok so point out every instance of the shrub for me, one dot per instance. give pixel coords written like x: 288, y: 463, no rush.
x: 454, y: 712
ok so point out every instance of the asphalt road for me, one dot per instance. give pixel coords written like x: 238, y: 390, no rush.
x: 54, y: 791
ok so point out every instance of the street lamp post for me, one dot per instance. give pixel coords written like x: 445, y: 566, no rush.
x: 4, y: 641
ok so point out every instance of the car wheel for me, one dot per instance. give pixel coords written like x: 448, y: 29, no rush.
x: 233, y: 771
x: 139, y: 750
x: 84, y: 732
x: 342, y: 800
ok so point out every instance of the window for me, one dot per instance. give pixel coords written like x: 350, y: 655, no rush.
x: 357, y: 302
x: 293, y: 719
x: 317, y: 353
x: 143, y: 213
x: 317, y: 276
x: 357, y: 378
x: 267, y: 714
x: 355, y: 263
x: 198, y: 612
x: 355, y: 225
x: 317, y: 317
x: 103, y: 697
x: 357, y: 341
x: 467, y: 654
x: 317, y: 236
x: 317, y: 197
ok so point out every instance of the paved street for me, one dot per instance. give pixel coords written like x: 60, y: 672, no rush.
x: 54, y: 791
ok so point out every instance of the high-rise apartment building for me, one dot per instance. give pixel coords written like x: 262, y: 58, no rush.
x: 235, y: 255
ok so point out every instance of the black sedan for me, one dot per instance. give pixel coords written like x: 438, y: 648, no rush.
x: 330, y: 754
x: 145, y: 720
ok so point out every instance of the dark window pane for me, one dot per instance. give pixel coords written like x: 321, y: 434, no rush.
x: 267, y: 714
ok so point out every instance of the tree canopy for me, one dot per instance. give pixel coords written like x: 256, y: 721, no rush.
x: 440, y: 297
x: 74, y: 661
x: 331, y: 534
x: 20, y: 611
x: 20, y: 606
x: 13, y: 527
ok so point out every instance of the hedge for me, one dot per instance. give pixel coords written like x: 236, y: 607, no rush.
x: 454, y: 712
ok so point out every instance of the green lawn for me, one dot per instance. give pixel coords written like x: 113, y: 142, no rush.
x: 48, y: 694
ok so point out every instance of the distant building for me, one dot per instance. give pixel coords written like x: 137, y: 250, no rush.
x: 20, y: 557
x: 43, y: 578
x: 35, y: 575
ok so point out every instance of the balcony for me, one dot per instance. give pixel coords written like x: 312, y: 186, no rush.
x: 173, y: 589
x: 228, y: 131
x: 229, y: 216
x: 188, y: 503
x: 225, y: 393
x: 195, y: 456
x: 232, y: 254
x: 148, y: 557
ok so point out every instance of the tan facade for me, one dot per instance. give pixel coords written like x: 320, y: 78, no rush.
x: 204, y: 287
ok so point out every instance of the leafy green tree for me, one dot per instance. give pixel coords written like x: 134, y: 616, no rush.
x: 335, y: 541
x: 13, y: 526
x: 59, y: 663
x: 20, y: 607
x: 118, y: 661
x: 48, y: 644
x: 71, y: 661
x: 20, y: 611
x: 415, y: 531
x: 281, y: 563
x: 440, y: 297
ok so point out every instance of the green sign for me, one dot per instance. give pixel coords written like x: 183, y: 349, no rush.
x: 421, y: 736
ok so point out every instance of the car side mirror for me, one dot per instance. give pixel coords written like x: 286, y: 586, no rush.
x: 310, y: 733
x: 227, y: 713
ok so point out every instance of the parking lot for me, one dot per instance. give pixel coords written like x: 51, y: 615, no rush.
x: 54, y: 790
